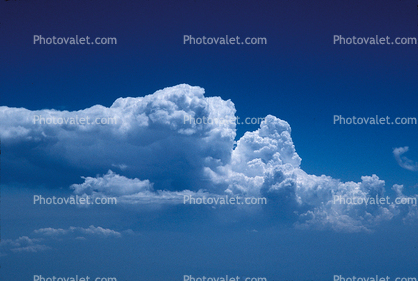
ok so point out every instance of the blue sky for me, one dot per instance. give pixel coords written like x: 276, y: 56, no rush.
x: 150, y: 159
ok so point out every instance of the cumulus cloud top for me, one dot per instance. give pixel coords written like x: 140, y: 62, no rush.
x: 150, y: 138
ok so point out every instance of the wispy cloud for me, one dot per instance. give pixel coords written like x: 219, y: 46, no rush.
x: 22, y: 244
x: 403, y: 161
x: 91, y: 230
x: 44, y: 235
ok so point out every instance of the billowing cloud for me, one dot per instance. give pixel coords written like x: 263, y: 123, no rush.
x: 150, y: 139
x: 265, y: 163
x: 161, y: 156
x: 403, y: 161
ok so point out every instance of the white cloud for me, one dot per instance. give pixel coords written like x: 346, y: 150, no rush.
x: 162, y: 158
x: 120, y: 166
x: 408, y: 212
x: 265, y: 163
x: 22, y: 244
x: 403, y: 161
x: 150, y: 137
x: 91, y: 230
x: 130, y: 191
x: 52, y: 231
x: 28, y: 244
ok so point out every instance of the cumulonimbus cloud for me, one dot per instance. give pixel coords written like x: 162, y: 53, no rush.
x: 162, y: 157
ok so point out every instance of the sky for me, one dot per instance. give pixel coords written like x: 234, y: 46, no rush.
x: 151, y: 159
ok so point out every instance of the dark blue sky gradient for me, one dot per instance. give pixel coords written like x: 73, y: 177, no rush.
x: 300, y: 76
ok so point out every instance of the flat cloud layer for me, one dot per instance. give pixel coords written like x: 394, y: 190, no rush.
x: 161, y: 156
x: 130, y: 191
x: 27, y: 244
